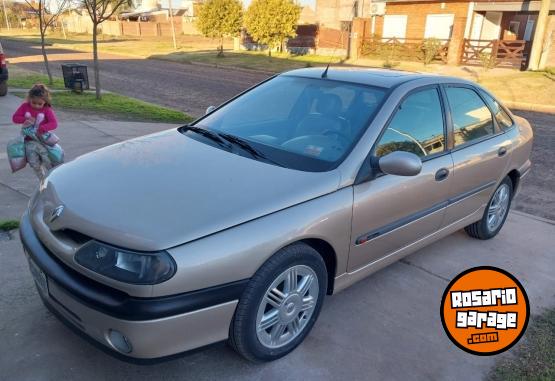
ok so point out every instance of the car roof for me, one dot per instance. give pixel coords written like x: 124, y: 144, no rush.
x: 365, y: 76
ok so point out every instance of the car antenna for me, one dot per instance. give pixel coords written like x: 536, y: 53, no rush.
x: 325, y: 73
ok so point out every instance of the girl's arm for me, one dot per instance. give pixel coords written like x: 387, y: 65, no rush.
x: 19, y: 115
x: 50, y: 122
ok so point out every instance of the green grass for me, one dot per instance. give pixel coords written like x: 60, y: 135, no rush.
x: 278, y: 62
x: 27, y: 80
x: 8, y: 225
x: 535, y: 357
x: 119, y: 106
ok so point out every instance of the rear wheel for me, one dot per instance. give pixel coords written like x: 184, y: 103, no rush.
x: 280, y: 304
x: 495, y: 214
x: 3, y: 88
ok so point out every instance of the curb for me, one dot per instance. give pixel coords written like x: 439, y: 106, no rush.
x: 529, y: 106
x: 533, y: 217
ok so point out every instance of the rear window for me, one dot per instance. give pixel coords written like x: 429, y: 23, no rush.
x: 501, y: 116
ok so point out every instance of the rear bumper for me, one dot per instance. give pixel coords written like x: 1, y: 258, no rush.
x: 154, y: 327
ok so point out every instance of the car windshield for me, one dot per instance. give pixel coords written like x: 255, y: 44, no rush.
x: 301, y: 123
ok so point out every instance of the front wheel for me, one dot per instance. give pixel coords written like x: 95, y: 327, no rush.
x: 280, y: 304
x: 495, y: 214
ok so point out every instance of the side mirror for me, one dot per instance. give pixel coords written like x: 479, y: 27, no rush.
x: 400, y: 163
x: 209, y: 109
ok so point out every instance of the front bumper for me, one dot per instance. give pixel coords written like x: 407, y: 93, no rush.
x: 154, y: 327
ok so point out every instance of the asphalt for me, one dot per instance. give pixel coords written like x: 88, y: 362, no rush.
x: 384, y: 327
x: 191, y: 88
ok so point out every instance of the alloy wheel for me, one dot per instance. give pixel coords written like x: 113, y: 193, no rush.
x: 287, y: 306
x: 498, y: 207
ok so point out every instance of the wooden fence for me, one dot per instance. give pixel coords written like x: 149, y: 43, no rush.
x: 409, y: 49
x: 500, y: 53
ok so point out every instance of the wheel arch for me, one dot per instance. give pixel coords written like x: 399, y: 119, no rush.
x: 329, y: 256
x: 514, y: 175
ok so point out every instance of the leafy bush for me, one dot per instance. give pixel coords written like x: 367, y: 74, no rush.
x: 430, y: 49
x: 487, y: 60
x: 271, y: 22
x: 220, y: 18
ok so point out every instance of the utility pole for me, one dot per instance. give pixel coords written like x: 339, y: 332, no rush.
x: 171, y: 22
x: 6, y: 14
x: 537, y: 41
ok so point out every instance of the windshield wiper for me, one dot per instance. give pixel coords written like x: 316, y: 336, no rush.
x: 247, y: 147
x: 208, y: 134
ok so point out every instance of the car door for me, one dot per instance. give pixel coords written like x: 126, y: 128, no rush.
x: 480, y: 151
x: 390, y: 212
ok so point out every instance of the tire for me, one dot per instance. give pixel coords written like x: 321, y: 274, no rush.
x: 503, y: 196
x: 293, y: 313
x: 3, y: 88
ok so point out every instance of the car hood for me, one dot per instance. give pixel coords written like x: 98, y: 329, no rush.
x: 166, y: 189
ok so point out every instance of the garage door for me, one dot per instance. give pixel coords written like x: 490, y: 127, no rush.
x: 439, y: 26
x: 395, y: 26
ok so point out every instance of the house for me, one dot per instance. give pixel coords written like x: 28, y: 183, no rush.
x: 503, y: 28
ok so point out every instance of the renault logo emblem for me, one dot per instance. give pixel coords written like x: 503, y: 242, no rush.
x: 57, y: 212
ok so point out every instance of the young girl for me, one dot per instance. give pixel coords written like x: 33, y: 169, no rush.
x: 36, y: 108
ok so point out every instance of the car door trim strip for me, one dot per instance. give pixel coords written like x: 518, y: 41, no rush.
x: 420, y: 214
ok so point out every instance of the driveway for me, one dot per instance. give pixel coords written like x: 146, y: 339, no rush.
x: 384, y: 327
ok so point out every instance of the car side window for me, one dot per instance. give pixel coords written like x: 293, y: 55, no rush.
x: 503, y: 119
x: 472, y: 119
x: 416, y: 127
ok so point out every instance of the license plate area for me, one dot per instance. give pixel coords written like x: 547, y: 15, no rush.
x: 39, y: 276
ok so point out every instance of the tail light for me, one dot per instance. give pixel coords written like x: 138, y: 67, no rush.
x: 2, y: 61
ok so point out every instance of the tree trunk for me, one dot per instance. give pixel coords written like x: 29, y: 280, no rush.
x: 221, y: 47
x: 44, y: 56
x: 95, y: 62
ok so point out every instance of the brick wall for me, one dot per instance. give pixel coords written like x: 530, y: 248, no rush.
x: 416, y: 16
x: 416, y: 20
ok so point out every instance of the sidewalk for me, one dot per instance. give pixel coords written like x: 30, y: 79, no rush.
x: 77, y: 137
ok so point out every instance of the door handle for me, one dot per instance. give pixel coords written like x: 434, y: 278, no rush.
x: 442, y: 174
x: 502, y: 151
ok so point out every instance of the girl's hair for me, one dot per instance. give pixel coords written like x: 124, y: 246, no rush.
x: 40, y: 91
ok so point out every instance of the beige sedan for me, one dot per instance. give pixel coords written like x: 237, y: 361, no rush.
x: 236, y: 227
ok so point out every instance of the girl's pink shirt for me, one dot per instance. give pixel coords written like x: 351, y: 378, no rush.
x: 50, y: 122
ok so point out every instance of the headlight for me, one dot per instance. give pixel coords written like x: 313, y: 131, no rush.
x: 126, y: 266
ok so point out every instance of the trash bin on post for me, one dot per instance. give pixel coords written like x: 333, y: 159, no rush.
x: 76, y: 77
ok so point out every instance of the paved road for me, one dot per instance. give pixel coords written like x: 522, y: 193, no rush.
x: 190, y: 88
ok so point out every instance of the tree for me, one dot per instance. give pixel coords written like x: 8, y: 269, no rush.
x: 47, y: 11
x: 220, y: 18
x: 270, y: 22
x: 100, y: 11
